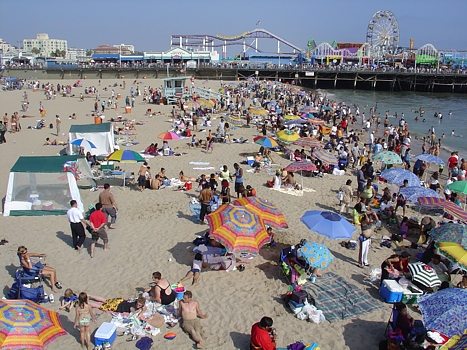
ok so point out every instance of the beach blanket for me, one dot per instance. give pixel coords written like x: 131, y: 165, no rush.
x: 293, y: 191
x: 340, y: 300
x: 205, y: 168
x: 199, y: 163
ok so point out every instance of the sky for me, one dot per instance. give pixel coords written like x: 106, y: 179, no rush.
x: 148, y: 24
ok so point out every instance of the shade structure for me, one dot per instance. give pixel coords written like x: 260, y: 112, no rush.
x: 445, y: 310
x: 298, y: 121
x: 234, y: 120
x: 449, y: 207
x: 205, y: 103
x: 168, y: 135
x: 192, y: 104
x: 288, y: 136
x: 300, y: 166
x: 414, y: 192
x: 316, y: 121
x: 26, y: 325
x: 257, y: 111
x: 237, y: 229
x: 317, y: 255
x: 311, y: 142
x: 459, y: 186
x: 429, y: 158
x: 325, y: 156
x: 431, y: 201
x: 291, y: 117
x: 424, y: 274
x: 266, y: 211
x: 450, y: 232
x: 328, y: 224
x: 397, y: 176
x: 266, y: 141
x: 453, y: 252
x: 387, y: 157
x: 309, y: 109
x: 83, y: 143
x: 125, y: 156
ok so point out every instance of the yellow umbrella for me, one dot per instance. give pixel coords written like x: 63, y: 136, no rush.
x: 205, y: 103
x: 287, y: 135
x: 257, y: 111
x: 291, y: 117
x: 454, y: 252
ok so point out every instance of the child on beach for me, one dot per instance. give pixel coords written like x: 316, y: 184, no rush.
x: 272, y: 242
x: 195, y: 271
x: 69, y: 299
x: 404, y: 227
x: 83, y: 318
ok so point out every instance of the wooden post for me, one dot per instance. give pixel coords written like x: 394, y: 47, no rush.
x: 355, y: 81
x: 335, y: 81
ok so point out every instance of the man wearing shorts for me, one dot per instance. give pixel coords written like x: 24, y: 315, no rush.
x: 109, y: 205
x: 98, y: 222
x: 189, y: 310
x: 238, y: 179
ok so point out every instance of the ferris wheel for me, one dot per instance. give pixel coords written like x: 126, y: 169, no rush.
x: 382, y: 34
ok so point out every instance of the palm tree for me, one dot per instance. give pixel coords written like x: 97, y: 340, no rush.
x: 35, y: 51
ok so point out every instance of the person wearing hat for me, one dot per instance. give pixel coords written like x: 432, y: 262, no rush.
x: 397, y: 262
x: 426, y: 226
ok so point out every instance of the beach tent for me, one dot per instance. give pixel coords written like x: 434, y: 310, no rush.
x: 101, y: 135
x: 44, y: 185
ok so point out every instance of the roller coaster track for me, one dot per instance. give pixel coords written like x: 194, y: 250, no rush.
x: 218, y: 40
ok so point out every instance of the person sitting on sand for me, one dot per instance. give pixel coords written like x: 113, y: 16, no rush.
x: 288, y: 180
x: 276, y: 181
x: 195, y: 271
x: 184, y: 178
x: 161, y: 291
x: 189, y: 311
x: 46, y: 271
x: 156, y: 183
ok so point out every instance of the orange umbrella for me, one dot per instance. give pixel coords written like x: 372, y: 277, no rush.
x: 267, y: 211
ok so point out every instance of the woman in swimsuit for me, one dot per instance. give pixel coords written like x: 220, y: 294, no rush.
x: 83, y: 318
x: 161, y: 292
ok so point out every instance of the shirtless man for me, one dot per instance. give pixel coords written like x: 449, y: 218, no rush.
x: 189, y: 311
x: 5, y: 120
x: 142, y: 176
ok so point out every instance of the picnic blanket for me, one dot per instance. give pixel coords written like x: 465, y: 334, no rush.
x: 293, y: 191
x: 340, y: 300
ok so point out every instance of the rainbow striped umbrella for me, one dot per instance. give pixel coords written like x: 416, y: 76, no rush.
x: 387, y: 157
x: 325, y: 156
x: 430, y: 201
x: 26, y: 325
x: 315, y: 121
x: 300, y: 166
x: 237, y: 229
x: 168, y: 135
x: 267, y: 211
x: 266, y: 141
x: 126, y: 156
x: 311, y: 142
x: 309, y: 109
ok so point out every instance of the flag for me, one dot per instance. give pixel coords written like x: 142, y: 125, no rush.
x: 257, y: 23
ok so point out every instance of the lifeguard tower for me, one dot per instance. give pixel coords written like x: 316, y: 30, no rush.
x: 175, y: 88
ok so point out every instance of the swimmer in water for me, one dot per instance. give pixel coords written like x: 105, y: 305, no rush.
x: 450, y: 112
x: 453, y: 133
x: 416, y: 119
x: 424, y: 120
x: 443, y: 136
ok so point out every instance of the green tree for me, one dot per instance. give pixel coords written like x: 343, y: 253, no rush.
x: 63, y: 53
x: 35, y: 51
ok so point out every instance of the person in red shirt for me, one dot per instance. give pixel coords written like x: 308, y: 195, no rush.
x: 452, y: 162
x: 98, y: 222
x: 263, y: 335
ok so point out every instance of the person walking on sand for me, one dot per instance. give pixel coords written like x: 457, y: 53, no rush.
x: 142, y: 176
x: 238, y: 179
x: 205, y: 198
x: 98, y: 221
x: 76, y: 219
x: 83, y: 318
x: 57, y: 123
x: 189, y: 311
x: 109, y: 205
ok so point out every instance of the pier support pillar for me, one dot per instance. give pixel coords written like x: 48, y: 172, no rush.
x: 355, y: 81
x: 335, y: 81
x: 393, y: 84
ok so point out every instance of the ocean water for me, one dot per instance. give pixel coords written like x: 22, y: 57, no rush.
x: 409, y: 103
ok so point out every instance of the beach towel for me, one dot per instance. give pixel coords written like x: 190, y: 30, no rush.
x: 339, y: 299
x: 293, y: 191
x: 205, y: 168
x: 199, y: 163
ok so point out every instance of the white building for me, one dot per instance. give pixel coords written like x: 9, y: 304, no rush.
x: 4, y: 46
x: 75, y: 54
x: 125, y: 48
x: 45, y: 45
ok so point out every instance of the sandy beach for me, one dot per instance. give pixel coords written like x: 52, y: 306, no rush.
x: 155, y: 229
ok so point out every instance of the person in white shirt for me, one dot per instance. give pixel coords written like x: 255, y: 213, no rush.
x: 76, y: 219
x: 438, y: 266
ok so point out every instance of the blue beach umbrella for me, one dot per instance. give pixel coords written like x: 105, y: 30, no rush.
x: 328, y: 224
x: 397, y: 176
x: 414, y: 192
x: 429, y: 158
x: 317, y: 255
x: 83, y: 143
x: 295, y: 122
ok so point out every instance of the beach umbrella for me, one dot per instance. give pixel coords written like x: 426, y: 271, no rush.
x: 315, y: 121
x: 311, y: 142
x: 424, y: 274
x: 83, y: 143
x: 192, y: 104
x: 238, y: 229
x: 298, y: 121
x: 168, y: 135
x: 328, y: 224
x: 454, y: 209
x: 450, y: 232
x: 317, y: 255
x: 445, y: 310
x: 412, y: 193
x: 205, y: 103
x: 287, y: 136
x: 459, y: 186
x: 454, y: 252
x: 43, y: 112
x: 397, y: 176
x: 267, y: 211
x: 387, y: 157
x: 291, y: 117
x: 272, y: 104
x: 300, y: 166
x: 325, y: 156
x: 309, y: 109
x: 234, y: 120
x: 431, y: 201
x: 26, y: 325
x: 266, y: 141
x: 429, y: 158
x: 125, y: 156
x: 257, y: 111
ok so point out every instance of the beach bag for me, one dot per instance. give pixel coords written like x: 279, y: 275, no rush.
x: 36, y: 295
x: 340, y: 195
x: 316, y: 316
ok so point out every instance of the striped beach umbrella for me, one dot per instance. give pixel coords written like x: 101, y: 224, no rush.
x: 424, y: 274
x: 315, y: 121
x: 267, y: 211
x: 300, y: 166
x: 431, y: 201
x: 83, y: 143
x: 311, y: 142
x: 168, y: 135
x: 387, y: 157
x: 325, y: 156
x: 266, y: 141
x: 234, y: 120
x: 309, y: 109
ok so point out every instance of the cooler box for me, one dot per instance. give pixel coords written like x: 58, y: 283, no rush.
x: 188, y: 185
x: 107, y: 166
x: 294, y: 309
x: 391, y: 291
x: 299, y: 297
x: 250, y: 160
x: 410, y: 295
x: 47, y: 205
x: 107, y: 332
